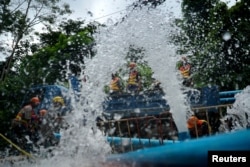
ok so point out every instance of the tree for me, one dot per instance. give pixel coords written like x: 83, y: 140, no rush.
x: 47, y: 64
x: 24, y: 16
x: 196, y: 21
x: 152, y: 3
x: 219, y: 41
x: 60, y: 52
x: 5, y: 16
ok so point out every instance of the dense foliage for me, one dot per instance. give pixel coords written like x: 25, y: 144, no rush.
x: 218, y: 40
x: 28, y: 62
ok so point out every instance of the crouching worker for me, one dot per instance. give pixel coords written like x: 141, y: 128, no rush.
x: 198, y: 127
x: 27, y: 121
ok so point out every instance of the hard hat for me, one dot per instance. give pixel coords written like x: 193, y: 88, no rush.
x: 184, y: 58
x: 43, y: 112
x: 132, y: 65
x: 35, y: 100
x: 58, y: 99
x: 192, y: 121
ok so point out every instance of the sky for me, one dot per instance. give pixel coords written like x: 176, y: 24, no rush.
x: 105, y: 9
x: 101, y: 10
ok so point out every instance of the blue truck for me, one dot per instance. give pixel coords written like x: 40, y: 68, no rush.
x: 148, y: 114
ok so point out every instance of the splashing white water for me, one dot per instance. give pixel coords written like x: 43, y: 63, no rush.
x: 148, y: 29
x: 240, y: 111
x: 145, y: 29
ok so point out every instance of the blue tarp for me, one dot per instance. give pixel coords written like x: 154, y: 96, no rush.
x: 46, y: 93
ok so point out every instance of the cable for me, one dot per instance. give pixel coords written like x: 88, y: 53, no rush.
x: 109, y: 14
x: 105, y: 16
x: 17, y: 147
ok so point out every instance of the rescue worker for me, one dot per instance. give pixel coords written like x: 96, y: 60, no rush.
x: 133, y: 83
x: 57, y: 113
x: 185, y: 69
x: 115, y: 85
x: 27, y: 121
x: 198, y: 127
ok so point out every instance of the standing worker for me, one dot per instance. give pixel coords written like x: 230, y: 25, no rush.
x: 185, y: 69
x: 134, y: 83
x: 115, y: 85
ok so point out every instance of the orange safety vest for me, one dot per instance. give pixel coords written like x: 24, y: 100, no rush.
x: 185, y: 70
x: 114, y: 84
x: 133, y: 78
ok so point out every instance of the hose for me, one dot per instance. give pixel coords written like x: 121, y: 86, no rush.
x: 17, y: 147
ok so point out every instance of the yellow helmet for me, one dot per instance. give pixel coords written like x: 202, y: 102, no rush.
x: 132, y: 64
x: 58, y: 99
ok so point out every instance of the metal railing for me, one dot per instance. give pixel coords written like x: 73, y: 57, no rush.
x: 218, y: 111
x: 158, y: 129
x: 153, y: 130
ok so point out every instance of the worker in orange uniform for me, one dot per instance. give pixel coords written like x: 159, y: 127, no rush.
x: 198, y: 127
x: 27, y: 121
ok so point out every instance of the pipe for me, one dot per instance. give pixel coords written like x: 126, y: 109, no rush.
x: 227, y: 93
x: 228, y: 99
x: 138, y: 141
x: 185, y: 154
